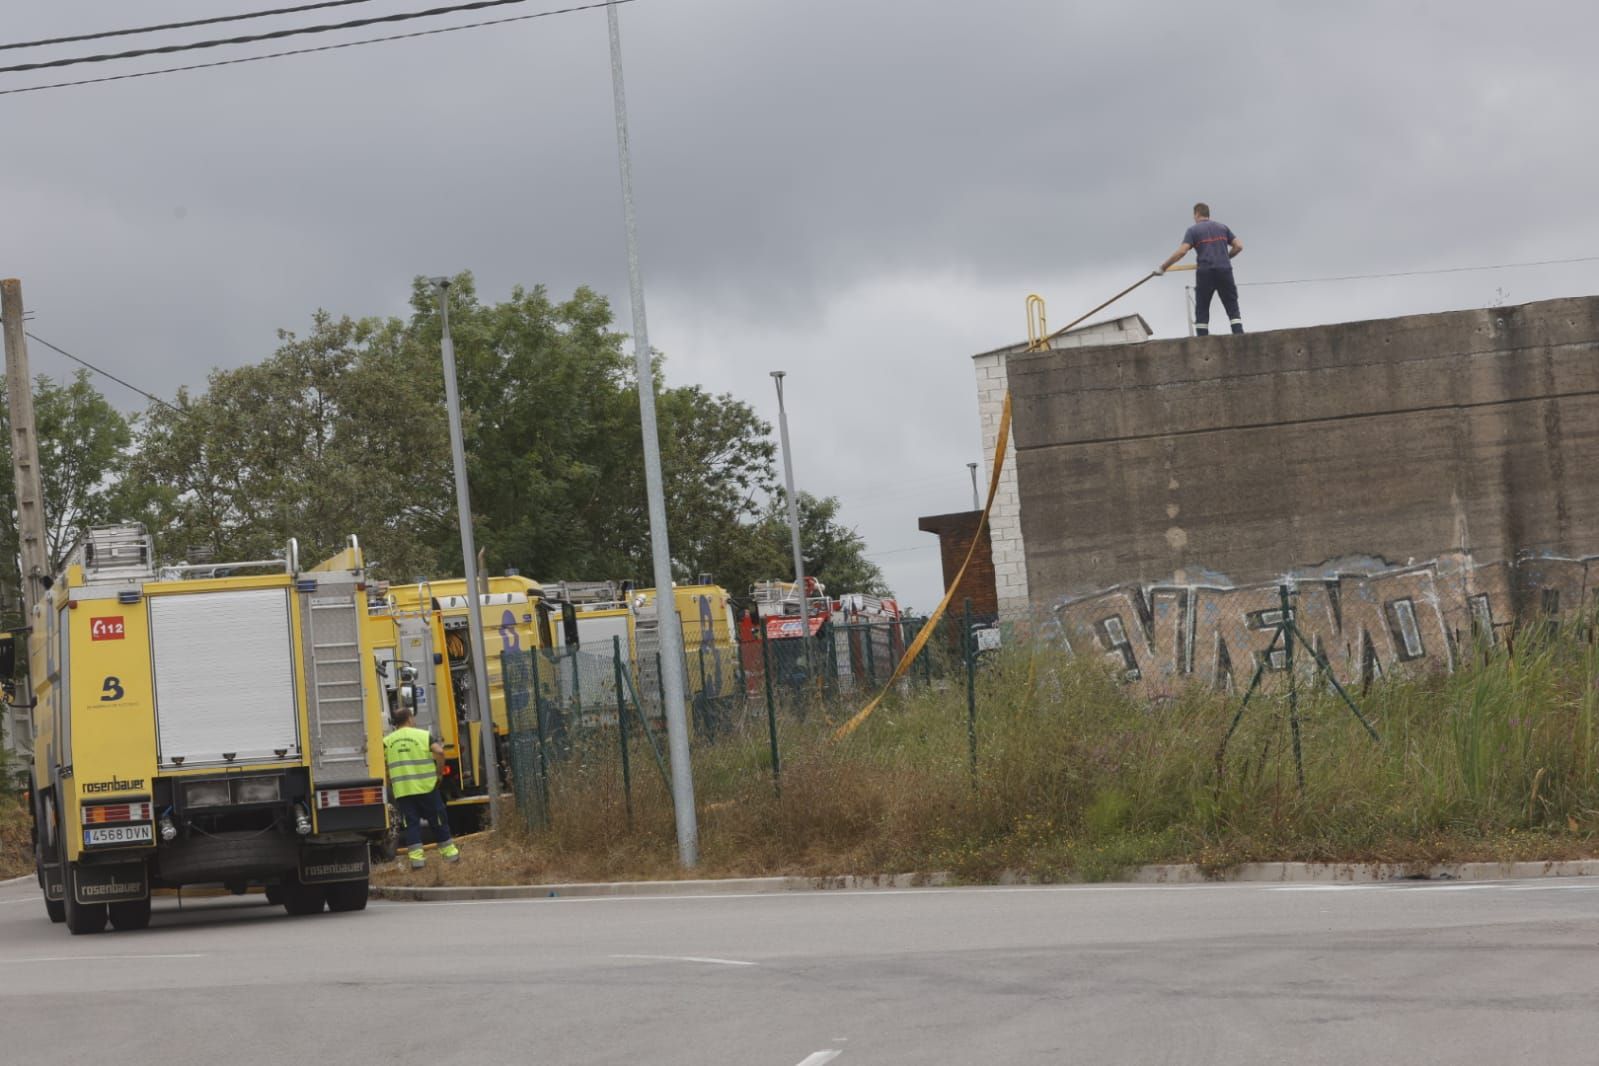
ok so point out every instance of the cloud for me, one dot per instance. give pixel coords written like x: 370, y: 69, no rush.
x: 862, y: 192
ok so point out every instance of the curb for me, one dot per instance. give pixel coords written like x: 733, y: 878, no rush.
x: 1173, y: 874
x: 16, y: 880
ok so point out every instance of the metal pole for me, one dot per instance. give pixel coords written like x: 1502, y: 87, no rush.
x: 968, y: 648
x: 463, y: 507
x: 794, y: 523
x: 621, y: 728
x: 977, y: 501
x: 771, y: 710
x: 671, y: 633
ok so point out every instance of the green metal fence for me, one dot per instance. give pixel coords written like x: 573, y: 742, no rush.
x: 571, y: 709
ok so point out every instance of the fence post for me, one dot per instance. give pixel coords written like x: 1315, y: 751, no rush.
x: 538, y: 731
x: 621, y: 728
x: 577, y: 685
x: 871, y: 658
x: 771, y: 710
x: 969, y: 650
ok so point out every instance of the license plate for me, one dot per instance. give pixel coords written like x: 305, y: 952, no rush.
x: 119, y: 834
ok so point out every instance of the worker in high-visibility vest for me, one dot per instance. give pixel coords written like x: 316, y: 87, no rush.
x: 414, y: 784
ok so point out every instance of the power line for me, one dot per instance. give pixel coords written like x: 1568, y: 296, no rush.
x: 270, y: 35
x: 179, y: 25
x: 319, y: 48
x: 1440, y: 270
x: 104, y: 373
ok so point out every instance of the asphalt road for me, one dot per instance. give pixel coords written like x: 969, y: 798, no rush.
x: 1454, y: 973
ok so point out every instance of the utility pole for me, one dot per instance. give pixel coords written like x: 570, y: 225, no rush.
x: 977, y: 503
x: 793, y: 521
x: 668, y: 627
x: 34, y: 553
x: 463, y: 507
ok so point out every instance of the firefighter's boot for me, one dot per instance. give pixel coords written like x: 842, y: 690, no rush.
x: 450, y: 852
x: 418, y: 858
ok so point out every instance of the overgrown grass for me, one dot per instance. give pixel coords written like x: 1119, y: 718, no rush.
x: 1079, y: 779
x: 16, y: 852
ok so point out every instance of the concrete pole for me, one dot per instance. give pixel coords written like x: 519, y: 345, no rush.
x: 793, y: 520
x: 977, y: 501
x: 668, y: 627
x: 24, y: 449
x: 463, y: 507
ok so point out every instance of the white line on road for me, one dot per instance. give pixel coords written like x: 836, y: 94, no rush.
x: 98, y: 958
x: 818, y: 1058
x: 685, y: 958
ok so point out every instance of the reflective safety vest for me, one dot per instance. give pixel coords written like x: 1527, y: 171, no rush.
x: 408, y: 752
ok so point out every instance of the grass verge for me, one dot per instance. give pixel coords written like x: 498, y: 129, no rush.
x: 16, y: 851
x: 1078, y: 780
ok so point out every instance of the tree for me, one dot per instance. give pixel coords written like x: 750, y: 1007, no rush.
x: 834, y: 553
x: 83, y: 456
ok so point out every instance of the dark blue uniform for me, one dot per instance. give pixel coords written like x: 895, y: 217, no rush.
x: 1214, y: 276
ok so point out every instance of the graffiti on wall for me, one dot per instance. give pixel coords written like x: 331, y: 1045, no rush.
x: 1368, y: 619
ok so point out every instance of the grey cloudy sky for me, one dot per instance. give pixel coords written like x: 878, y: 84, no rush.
x: 860, y: 192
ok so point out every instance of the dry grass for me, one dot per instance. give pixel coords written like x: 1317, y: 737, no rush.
x: 16, y: 851
x: 1077, y: 780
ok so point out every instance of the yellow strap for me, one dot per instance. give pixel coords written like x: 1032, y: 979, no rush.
x: 943, y: 605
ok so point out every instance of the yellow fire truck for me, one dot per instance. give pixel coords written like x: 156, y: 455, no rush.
x: 414, y: 668
x: 202, y: 725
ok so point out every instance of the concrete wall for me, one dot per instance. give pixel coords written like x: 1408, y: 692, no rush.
x: 1358, y: 449
x: 1005, y: 523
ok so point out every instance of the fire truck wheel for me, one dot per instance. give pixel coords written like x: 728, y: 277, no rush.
x: 348, y: 895
x: 274, y: 895
x: 132, y: 914
x: 82, y: 917
x: 304, y: 899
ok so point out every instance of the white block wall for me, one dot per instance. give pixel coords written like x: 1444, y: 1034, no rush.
x: 1005, y: 522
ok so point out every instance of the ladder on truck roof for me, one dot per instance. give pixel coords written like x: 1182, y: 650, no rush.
x: 335, y: 676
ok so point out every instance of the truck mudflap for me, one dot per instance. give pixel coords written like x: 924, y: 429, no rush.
x: 53, y: 882
x: 111, y: 883
x: 339, y: 862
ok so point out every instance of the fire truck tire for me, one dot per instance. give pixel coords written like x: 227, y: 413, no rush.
x: 274, y: 895
x: 130, y: 914
x: 304, y: 899
x: 348, y: 895
x: 82, y: 918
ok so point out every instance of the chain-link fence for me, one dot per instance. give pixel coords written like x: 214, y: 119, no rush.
x: 574, y: 708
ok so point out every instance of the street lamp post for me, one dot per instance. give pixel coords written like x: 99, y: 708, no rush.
x: 463, y: 507
x: 668, y: 627
x: 793, y: 521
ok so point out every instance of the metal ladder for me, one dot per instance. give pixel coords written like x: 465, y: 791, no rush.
x: 335, y: 675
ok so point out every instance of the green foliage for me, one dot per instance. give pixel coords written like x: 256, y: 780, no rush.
x: 84, y: 445
x: 343, y: 431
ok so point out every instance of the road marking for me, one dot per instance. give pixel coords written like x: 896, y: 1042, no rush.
x: 99, y: 958
x: 685, y: 958
x: 818, y: 1058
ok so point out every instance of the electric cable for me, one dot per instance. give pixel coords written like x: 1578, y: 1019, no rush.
x: 99, y: 35
x: 318, y: 48
x: 1439, y: 270
x: 250, y: 38
x: 104, y: 373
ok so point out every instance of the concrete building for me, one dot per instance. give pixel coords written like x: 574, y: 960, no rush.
x: 1417, y: 483
x: 1007, y: 534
